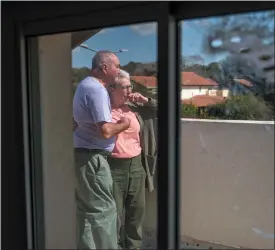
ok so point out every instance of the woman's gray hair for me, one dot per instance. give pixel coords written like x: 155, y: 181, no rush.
x: 124, y: 74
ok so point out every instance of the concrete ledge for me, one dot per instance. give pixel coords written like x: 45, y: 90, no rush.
x: 227, y: 121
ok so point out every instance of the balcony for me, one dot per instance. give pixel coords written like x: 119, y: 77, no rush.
x: 227, y: 186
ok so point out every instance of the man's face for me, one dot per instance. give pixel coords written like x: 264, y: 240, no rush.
x: 112, y: 69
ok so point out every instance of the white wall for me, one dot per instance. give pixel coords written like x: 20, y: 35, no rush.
x: 56, y: 111
x: 189, y: 91
x: 227, y: 184
x: 225, y: 92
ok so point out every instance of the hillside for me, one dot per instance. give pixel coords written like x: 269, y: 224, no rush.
x: 142, y: 69
x: 134, y: 68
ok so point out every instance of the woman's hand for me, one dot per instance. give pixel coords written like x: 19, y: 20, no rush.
x: 137, y: 98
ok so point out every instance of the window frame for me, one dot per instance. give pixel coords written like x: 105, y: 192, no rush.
x: 38, y: 19
x: 80, y: 21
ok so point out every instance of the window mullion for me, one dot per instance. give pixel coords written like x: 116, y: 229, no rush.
x: 169, y: 131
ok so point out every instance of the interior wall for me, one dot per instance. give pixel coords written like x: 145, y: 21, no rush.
x: 57, y: 140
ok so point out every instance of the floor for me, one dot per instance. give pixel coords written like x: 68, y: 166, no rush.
x: 149, y: 242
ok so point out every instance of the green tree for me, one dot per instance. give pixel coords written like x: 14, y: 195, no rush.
x: 246, y: 107
x: 139, y: 88
x: 130, y: 67
x: 189, y: 111
x: 78, y: 74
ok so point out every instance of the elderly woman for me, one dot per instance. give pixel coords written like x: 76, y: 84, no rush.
x: 133, y: 158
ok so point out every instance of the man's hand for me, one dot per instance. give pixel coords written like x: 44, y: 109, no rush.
x: 125, y: 121
x: 109, y: 129
x: 137, y: 98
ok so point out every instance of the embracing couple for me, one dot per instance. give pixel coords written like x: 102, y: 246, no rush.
x: 115, y: 156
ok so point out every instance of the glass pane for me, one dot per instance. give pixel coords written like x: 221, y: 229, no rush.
x: 105, y: 82
x: 228, y: 69
x: 227, y: 79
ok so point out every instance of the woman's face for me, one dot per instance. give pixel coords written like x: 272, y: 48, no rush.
x: 121, y: 91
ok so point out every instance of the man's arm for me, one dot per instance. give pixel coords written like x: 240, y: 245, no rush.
x: 98, y: 103
x: 109, y: 129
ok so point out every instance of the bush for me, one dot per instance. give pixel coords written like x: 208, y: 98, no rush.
x: 74, y: 87
x: 189, y: 111
x: 217, y: 110
x: 246, y: 107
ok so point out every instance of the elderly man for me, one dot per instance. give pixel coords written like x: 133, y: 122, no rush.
x: 94, y: 141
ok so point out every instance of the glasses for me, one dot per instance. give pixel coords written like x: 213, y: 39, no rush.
x: 117, y: 86
x: 126, y: 87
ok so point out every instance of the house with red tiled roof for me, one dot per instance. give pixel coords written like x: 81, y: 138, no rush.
x: 241, y: 87
x: 147, y: 81
x: 193, y: 84
x: 145, y: 84
x: 244, y: 82
x: 201, y: 101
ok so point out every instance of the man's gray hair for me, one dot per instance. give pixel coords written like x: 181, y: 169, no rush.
x: 102, y: 57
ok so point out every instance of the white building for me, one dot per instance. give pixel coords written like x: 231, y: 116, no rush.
x: 193, y: 85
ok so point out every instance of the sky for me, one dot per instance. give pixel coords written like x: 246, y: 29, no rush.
x: 141, y: 42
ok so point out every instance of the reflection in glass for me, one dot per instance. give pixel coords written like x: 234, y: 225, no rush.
x: 237, y: 61
x: 227, y: 149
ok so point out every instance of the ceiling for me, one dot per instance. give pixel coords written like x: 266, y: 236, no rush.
x: 81, y: 36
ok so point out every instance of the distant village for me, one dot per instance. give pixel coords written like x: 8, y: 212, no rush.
x: 195, y: 89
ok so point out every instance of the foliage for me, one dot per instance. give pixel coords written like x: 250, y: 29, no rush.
x: 189, y: 111
x: 133, y: 68
x: 141, y: 69
x: 247, y: 107
x: 269, y: 98
x: 139, y: 88
x: 79, y: 74
x: 130, y: 67
x: 153, y: 94
x: 256, y: 105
